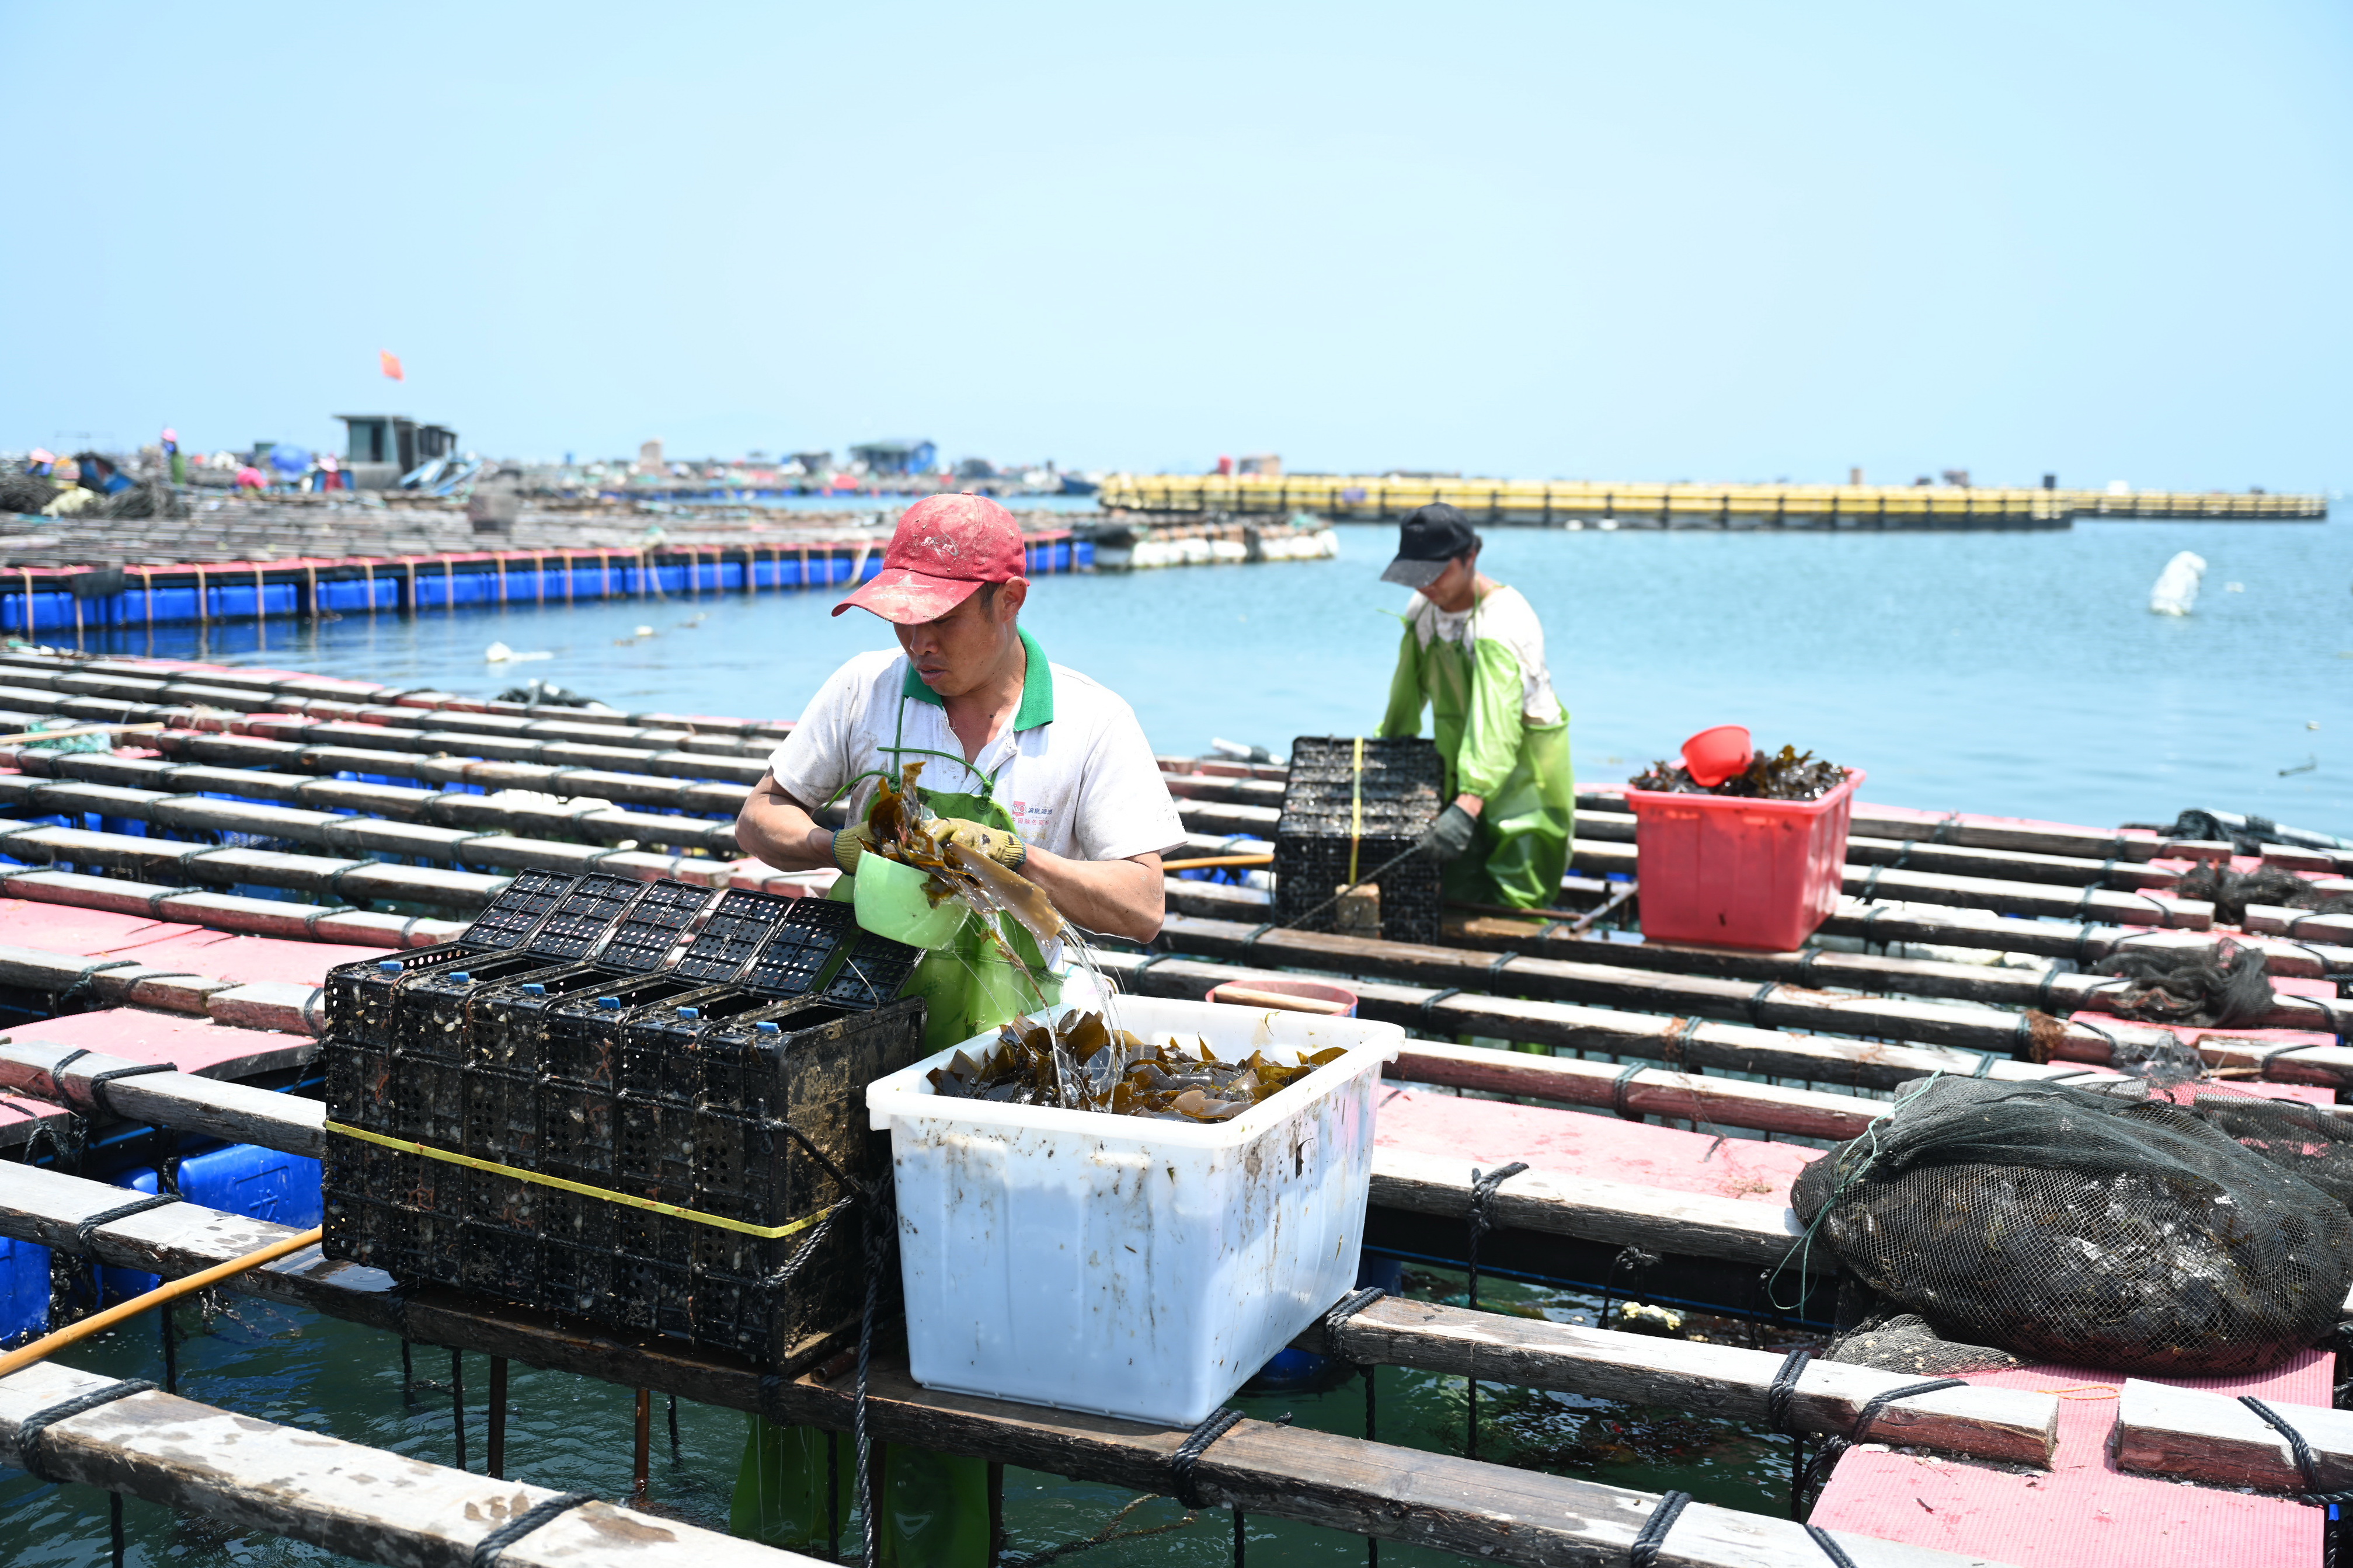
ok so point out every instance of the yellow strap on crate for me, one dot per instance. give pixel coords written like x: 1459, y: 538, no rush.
x: 767, y: 1232
x: 1356, y: 810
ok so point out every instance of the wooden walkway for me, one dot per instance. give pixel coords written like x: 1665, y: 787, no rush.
x: 1573, y: 504
x: 214, y: 982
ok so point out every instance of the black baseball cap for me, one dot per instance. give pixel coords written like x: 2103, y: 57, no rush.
x: 1428, y: 538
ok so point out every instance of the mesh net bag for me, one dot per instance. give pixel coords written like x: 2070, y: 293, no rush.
x: 2059, y: 1224
x: 2300, y: 1138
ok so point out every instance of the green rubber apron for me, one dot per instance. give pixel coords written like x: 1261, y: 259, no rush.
x: 1521, y: 849
x: 934, y: 1507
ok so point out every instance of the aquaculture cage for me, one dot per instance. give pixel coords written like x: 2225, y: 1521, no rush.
x: 1351, y: 807
x: 593, y: 1122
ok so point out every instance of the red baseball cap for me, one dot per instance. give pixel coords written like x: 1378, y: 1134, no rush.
x: 943, y: 549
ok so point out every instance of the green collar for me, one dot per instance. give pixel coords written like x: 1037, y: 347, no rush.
x: 1037, y: 687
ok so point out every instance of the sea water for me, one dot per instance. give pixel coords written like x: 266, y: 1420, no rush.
x: 2020, y: 674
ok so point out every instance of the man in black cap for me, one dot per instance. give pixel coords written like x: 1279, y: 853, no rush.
x: 1473, y: 652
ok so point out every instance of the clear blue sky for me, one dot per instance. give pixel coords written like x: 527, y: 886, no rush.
x: 1655, y: 241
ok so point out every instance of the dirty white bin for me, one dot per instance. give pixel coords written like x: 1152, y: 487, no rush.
x: 1126, y: 1266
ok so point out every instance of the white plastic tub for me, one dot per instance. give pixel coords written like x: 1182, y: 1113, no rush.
x: 1124, y: 1265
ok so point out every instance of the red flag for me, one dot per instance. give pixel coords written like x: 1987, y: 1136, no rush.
x: 391, y: 363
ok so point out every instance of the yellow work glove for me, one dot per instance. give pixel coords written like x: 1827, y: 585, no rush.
x: 1001, y: 844
x: 849, y: 845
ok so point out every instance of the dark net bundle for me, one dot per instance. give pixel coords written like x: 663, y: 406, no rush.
x: 2061, y: 1225
x: 1787, y: 774
x: 2219, y: 986
x: 25, y: 493
x: 2232, y: 892
x: 2303, y: 1139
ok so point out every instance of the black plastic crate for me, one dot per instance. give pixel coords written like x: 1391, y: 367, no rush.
x: 1341, y: 821
x: 738, y: 927
x: 872, y: 972
x: 713, y: 1091
x: 643, y: 942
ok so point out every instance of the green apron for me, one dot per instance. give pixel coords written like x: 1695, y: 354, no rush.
x: 1521, y: 849
x: 934, y: 1507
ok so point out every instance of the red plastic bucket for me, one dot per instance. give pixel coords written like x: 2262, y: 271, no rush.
x: 1289, y: 996
x: 1721, y: 871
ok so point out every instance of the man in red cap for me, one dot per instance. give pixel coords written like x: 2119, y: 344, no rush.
x: 1028, y: 762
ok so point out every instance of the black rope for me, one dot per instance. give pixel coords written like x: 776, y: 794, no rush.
x: 1187, y: 1456
x: 1831, y: 1549
x: 1430, y: 1005
x: 1496, y: 968
x: 2308, y: 1464
x: 78, y: 989
x: 1869, y: 917
x: 1481, y: 1189
x: 1617, y: 1087
x: 487, y: 1550
x: 122, y: 1211
x: 1679, y: 1041
x: 1644, y: 1553
x: 29, y: 1456
x: 1985, y: 1064
x: 1944, y: 834
x: 1806, y: 967
x: 1149, y: 960
x: 1257, y: 931
x: 1869, y: 893
x: 57, y: 1085
x: 1778, y: 1397
x: 1337, y: 1318
x: 1757, y: 1002
x: 1819, y: 1471
x: 2042, y: 991
x: 96, y: 1083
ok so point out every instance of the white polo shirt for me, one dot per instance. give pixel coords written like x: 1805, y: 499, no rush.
x: 1072, y: 769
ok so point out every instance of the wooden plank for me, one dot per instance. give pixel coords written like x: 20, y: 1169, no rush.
x: 2005, y: 896
x: 1673, y: 1096
x: 708, y: 795
x: 1785, y: 1007
x: 358, y: 1501
x: 1867, y: 847
x: 2013, y: 1425
x: 1685, y: 1042
x: 464, y: 891
x: 227, y: 912
x: 2053, y: 990
x: 1495, y: 1513
x: 2304, y: 924
x: 164, y: 781
x: 233, y: 1112
x: 1886, y: 922
x: 2212, y: 1437
x: 1556, y: 1203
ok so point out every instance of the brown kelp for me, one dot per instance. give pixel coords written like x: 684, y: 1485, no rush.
x: 1099, y: 1068
x: 1787, y: 774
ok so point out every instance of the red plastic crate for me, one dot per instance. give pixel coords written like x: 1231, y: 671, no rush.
x: 1721, y: 871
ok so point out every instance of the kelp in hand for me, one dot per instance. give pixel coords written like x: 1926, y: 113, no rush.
x: 1083, y: 1064
x: 1789, y: 775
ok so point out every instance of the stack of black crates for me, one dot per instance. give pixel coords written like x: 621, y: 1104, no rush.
x: 564, y: 1035
x: 1341, y: 821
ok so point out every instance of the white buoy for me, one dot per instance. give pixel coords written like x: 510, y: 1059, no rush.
x: 2176, y: 586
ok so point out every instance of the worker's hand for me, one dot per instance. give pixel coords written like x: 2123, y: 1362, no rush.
x: 1450, y: 836
x: 849, y: 844
x: 1000, y: 844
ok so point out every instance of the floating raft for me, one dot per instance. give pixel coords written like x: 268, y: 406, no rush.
x: 189, y: 890
x: 50, y: 600
x: 1563, y: 503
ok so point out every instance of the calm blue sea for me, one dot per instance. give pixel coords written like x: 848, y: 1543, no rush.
x: 2020, y: 674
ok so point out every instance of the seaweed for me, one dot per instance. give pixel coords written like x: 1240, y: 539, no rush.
x: 1083, y: 1064
x: 1787, y: 774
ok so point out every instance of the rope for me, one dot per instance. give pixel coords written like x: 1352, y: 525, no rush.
x: 29, y: 1431
x: 487, y: 1550
x: 1757, y: 1002
x: 1430, y: 1005
x: 1644, y: 1553
x: 1679, y: 1041
x: 1481, y: 1189
x: 1819, y: 1471
x: 96, y: 1083
x: 1187, y: 1456
x: 2308, y: 1464
x: 1495, y: 969
x: 122, y: 1211
x: 1337, y: 1318
x: 1618, y: 1088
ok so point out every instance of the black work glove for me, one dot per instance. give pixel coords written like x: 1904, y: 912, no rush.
x: 1450, y: 836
